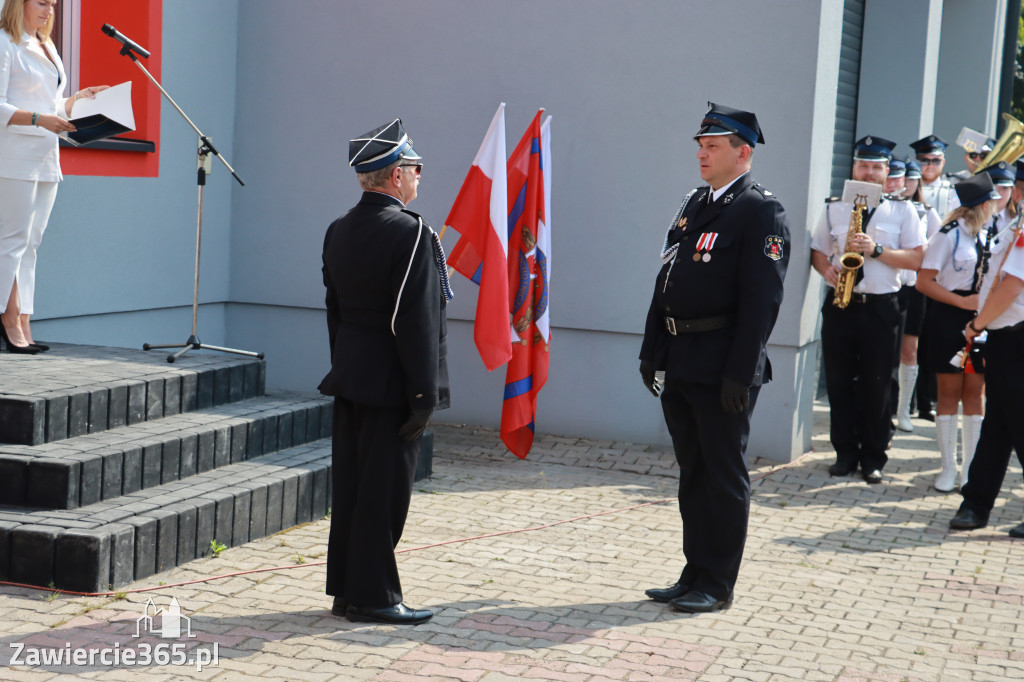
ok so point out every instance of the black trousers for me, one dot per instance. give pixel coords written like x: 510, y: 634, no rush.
x: 1003, y: 429
x: 857, y: 344
x: 372, y: 476
x: 714, y: 486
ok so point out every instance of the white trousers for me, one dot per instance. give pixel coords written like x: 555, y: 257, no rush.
x: 25, y: 207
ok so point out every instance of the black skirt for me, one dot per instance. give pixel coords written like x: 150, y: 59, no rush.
x: 914, y: 301
x: 944, y: 328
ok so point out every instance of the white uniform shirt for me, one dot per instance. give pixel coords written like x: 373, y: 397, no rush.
x: 1013, y: 265
x: 32, y: 82
x: 931, y: 223
x: 941, y: 196
x: 894, y: 225
x: 954, y: 257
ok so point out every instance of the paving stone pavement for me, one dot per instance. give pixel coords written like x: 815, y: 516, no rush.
x: 841, y: 581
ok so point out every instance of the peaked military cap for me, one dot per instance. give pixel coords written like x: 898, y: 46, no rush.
x: 913, y: 170
x: 933, y: 144
x: 989, y: 145
x: 872, y: 148
x: 721, y: 120
x: 976, y: 190
x: 897, y: 168
x: 380, y: 147
x: 1002, y: 173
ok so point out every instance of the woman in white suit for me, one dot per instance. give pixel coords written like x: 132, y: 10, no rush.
x: 32, y: 113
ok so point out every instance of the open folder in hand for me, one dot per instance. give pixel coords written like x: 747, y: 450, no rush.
x: 109, y: 113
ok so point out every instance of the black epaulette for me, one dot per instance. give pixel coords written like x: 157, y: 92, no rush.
x: 763, y: 191
x: 953, y: 224
x: 830, y: 200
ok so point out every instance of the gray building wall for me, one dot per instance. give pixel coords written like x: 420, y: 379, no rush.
x: 626, y: 84
x: 282, y: 90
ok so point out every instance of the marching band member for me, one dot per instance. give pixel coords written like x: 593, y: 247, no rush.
x: 950, y: 276
x: 859, y: 341
x: 1002, y: 431
x: 936, y: 189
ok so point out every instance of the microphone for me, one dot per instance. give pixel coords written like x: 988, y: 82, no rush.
x: 128, y: 43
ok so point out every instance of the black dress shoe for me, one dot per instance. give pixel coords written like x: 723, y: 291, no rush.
x: 1017, y: 531
x: 968, y: 519
x: 399, y: 614
x: 339, y: 607
x: 873, y: 476
x: 667, y: 594
x: 696, y: 601
x: 927, y: 415
x: 841, y: 468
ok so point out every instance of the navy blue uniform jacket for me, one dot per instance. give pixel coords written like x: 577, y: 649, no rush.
x: 742, y: 276
x: 366, y: 255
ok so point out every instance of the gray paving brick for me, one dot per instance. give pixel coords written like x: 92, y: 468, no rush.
x: 82, y: 560
x: 31, y: 553
x: 53, y: 483
x: 152, y: 455
x: 154, y: 399
x: 99, y: 409
x: 221, y: 385
x: 78, y: 414
x: 172, y: 395
x: 56, y: 417
x: 13, y: 479
x: 145, y: 532
x: 122, y: 553
x: 5, y: 547
x: 189, y: 396
x: 131, y: 476
x: 222, y: 447
x: 136, y: 402
x: 117, y: 403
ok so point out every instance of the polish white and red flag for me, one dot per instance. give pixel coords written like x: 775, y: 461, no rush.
x: 480, y: 216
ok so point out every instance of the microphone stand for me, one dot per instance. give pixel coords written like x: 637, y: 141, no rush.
x: 205, y: 164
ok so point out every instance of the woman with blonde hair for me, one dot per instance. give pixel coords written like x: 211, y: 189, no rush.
x: 950, y: 276
x: 32, y: 114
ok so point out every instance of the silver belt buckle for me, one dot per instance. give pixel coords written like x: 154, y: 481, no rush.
x: 670, y: 324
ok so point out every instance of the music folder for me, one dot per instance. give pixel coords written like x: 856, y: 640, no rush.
x: 107, y: 114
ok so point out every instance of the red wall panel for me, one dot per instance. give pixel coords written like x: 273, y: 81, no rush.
x: 103, y: 64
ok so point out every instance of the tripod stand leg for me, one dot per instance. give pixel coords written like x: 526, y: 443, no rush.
x: 247, y: 353
x: 175, y: 356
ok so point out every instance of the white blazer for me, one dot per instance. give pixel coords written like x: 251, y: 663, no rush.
x: 30, y: 81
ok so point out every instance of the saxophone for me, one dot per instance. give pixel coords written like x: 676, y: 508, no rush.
x: 850, y: 260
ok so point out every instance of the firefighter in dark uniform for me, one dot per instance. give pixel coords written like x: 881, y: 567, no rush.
x: 715, y: 302
x: 387, y: 288
x: 858, y: 341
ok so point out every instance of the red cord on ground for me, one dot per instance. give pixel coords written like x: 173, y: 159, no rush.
x: 400, y: 551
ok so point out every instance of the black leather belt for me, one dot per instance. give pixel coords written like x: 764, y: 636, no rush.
x: 865, y: 298
x: 705, y: 324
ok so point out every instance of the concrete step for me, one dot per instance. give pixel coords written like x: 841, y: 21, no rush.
x: 110, y: 543
x: 75, y: 390
x: 105, y: 465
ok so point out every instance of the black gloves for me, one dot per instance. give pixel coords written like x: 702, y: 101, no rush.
x: 416, y: 424
x: 735, y: 396
x: 647, y: 374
